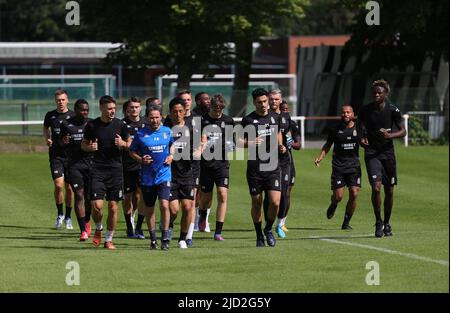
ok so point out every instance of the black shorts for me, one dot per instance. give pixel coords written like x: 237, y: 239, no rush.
x: 258, y: 181
x: 180, y: 190
x: 382, y: 167
x: 339, y: 180
x: 58, y: 167
x: 130, y: 180
x: 214, y: 175
x: 106, y: 181
x: 151, y: 193
x: 285, y: 173
x: 196, y: 173
x: 79, y: 174
x: 293, y: 174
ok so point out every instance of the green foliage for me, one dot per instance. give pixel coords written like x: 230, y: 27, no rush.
x: 408, y: 32
x: 417, y: 135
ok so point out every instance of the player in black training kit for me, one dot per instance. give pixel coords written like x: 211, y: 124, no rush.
x: 346, y: 165
x: 263, y: 170
x: 293, y: 142
x: 106, y: 136
x: 285, y: 161
x: 79, y: 164
x: 182, y: 185
x: 131, y: 168
x: 377, y: 121
x: 217, y: 141
x: 57, y: 156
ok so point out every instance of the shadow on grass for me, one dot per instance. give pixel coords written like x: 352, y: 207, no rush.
x: 25, y: 227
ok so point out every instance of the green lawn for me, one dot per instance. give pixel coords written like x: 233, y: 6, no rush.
x: 316, y: 256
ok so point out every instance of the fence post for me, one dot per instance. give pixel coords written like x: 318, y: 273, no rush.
x: 24, y: 118
x: 302, y: 132
x: 406, y: 117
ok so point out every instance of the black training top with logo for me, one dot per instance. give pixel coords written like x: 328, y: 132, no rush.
x: 75, y: 129
x: 54, y: 120
x: 346, y: 147
x: 373, y: 120
x: 218, y: 138
x: 270, y: 126
x: 108, y: 154
x: 285, y: 128
x: 130, y: 164
x: 182, y: 163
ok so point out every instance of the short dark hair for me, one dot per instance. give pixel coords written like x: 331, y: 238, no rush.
x: 175, y: 101
x: 135, y: 99
x: 106, y: 99
x: 153, y: 107
x: 382, y: 83
x: 149, y: 100
x: 79, y: 103
x: 259, y: 92
x: 284, y: 102
x: 218, y: 100
x: 59, y: 92
x: 198, y: 95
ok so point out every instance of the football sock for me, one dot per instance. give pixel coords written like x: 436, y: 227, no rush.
x: 60, y: 209
x: 219, y: 226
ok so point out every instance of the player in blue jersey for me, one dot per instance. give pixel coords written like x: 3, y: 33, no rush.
x: 153, y: 148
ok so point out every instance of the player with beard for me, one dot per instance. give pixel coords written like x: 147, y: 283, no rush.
x: 346, y: 165
x: 79, y: 164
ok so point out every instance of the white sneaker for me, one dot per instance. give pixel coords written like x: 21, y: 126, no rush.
x: 182, y: 244
x: 207, y: 229
x: 59, y: 221
x: 68, y: 222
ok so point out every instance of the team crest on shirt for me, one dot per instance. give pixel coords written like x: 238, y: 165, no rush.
x: 283, y: 120
x: 272, y: 120
x: 354, y: 133
x: 164, y: 135
x: 222, y: 125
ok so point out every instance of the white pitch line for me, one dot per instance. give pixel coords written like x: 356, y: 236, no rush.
x: 408, y: 255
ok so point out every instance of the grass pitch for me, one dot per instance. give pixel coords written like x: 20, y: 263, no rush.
x: 316, y: 256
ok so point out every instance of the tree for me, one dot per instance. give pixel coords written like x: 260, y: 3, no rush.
x: 181, y: 35
x: 409, y: 32
x: 246, y: 22
x: 28, y: 20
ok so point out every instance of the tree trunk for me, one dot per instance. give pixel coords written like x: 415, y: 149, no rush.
x: 243, y: 65
x: 184, y: 76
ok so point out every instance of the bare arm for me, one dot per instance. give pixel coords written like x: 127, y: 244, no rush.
x: 47, y: 135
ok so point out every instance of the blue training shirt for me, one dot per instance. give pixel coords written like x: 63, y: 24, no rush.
x: 156, y: 144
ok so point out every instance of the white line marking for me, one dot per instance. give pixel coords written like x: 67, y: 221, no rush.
x: 408, y: 255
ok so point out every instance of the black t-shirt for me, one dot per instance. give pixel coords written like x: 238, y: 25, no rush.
x: 54, y: 120
x: 266, y: 127
x: 373, y: 119
x: 218, y: 138
x: 130, y: 164
x: 75, y: 129
x: 108, y: 154
x: 285, y: 127
x: 346, y: 147
x: 182, y: 164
